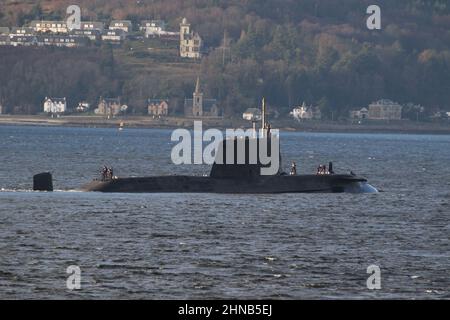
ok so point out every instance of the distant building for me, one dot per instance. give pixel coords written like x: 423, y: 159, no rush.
x: 385, y: 110
x: 4, y: 40
x: 22, y: 31
x: 55, y: 105
x: 4, y: 31
x: 62, y: 41
x: 153, y: 27
x: 359, y: 114
x: 200, y: 107
x: 124, y: 25
x: 83, y: 107
x: 190, y: 42
x: 17, y: 40
x: 49, y: 26
x: 305, y: 112
x: 92, y: 26
x: 1, y: 109
x: 92, y: 35
x: 157, y: 107
x: 114, y: 36
x: 252, y: 114
x: 110, y: 107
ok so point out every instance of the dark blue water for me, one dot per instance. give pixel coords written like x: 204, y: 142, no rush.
x: 149, y: 246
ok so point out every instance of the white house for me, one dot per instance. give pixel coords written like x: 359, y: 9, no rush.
x: 124, y: 25
x: 153, y: 27
x: 114, y: 36
x: 49, y: 26
x: 55, y: 105
x: 92, y: 25
x: 83, y: 106
x: 252, y: 114
x: 305, y: 112
x: 359, y: 114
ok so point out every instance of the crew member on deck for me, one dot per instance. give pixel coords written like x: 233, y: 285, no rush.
x: 293, y: 169
x: 104, y: 173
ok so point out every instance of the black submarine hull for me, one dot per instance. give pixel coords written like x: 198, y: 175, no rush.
x: 262, y: 184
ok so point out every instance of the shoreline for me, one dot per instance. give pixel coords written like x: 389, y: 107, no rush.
x: 289, y: 125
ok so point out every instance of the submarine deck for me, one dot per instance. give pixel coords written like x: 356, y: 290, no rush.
x: 262, y: 184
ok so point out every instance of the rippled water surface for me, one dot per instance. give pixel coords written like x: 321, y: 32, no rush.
x: 149, y: 246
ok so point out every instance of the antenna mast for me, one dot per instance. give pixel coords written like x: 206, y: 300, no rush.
x: 263, y: 118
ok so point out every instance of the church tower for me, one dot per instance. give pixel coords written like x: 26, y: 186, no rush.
x: 197, y: 102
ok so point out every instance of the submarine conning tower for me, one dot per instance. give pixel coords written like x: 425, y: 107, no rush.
x: 240, y: 157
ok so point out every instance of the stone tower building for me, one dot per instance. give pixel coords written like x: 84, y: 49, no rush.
x: 197, y: 102
x: 199, y: 107
x: 190, y: 42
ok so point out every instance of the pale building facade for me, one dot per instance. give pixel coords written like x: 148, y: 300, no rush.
x: 124, y: 25
x: 55, y: 105
x: 92, y: 25
x: 385, y: 110
x: 114, y: 36
x: 49, y: 26
x: 158, y: 108
x: 252, y: 114
x: 110, y: 107
x: 153, y: 27
x: 360, y: 114
x: 190, y: 42
x: 305, y: 112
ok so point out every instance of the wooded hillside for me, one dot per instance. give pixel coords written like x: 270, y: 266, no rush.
x: 287, y: 50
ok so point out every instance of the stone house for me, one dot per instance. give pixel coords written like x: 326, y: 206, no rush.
x: 110, y: 107
x: 385, y: 110
x: 190, y: 42
x: 157, y: 107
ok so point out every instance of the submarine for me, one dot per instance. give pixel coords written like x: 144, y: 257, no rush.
x: 241, y: 176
